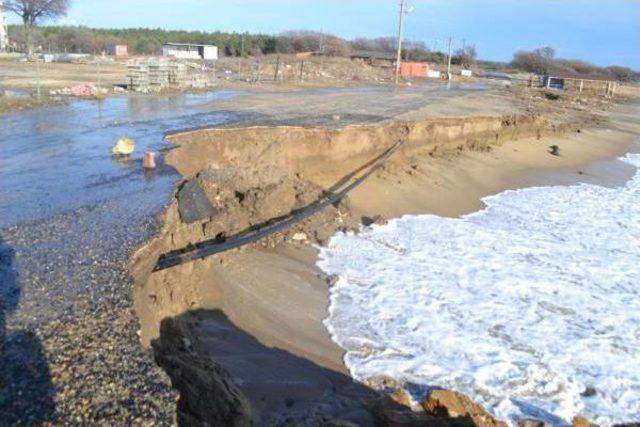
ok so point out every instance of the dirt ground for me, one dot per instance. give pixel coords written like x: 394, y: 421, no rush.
x: 230, y: 72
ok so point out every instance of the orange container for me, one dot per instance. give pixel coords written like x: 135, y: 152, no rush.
x: 414, y: 69
x: 149, y: 160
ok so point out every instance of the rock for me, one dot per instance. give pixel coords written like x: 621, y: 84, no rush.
x: 332, y: 279
x: 530, y: 422
x: 208, y: 395
x: 193, y: 203
x: 81, y: 91
x: 554, y: 150
x: 387, y: 412
x: 124, y: 146
x: 589, y: 392
x: 300, y: 237
x: 450, y: 404
x: 337, y: 423
x: 402, y: 397
x: 368, y: 221
x: 580, y: 421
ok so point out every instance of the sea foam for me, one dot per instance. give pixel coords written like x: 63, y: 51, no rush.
x: 530, y: 306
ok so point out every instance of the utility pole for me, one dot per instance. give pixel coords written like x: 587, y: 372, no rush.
x: 400, y: 30
x: 449, y: 62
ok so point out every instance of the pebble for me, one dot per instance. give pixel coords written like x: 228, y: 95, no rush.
x: 75, y: 328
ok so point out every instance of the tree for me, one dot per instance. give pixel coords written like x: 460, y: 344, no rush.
x: 539, y: 61
x: 466, y: 56
x: 34, y: 11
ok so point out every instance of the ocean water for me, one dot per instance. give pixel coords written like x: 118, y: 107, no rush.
x: 530, y: 306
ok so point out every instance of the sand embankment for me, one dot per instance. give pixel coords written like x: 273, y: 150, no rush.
x: 258, y: 311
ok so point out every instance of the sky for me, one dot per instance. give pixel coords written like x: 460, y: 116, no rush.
x: 604, y: 32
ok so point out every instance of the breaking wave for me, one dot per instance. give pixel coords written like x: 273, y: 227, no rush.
x: 530, y: 306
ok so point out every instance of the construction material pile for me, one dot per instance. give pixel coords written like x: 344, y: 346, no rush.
x: 155, y: 74
x: 80, y: 91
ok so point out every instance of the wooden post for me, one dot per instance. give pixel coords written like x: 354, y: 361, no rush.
x: 38, y: 74
x: 301, y: 70
x: 613, y: 89
x: 275, y: 77
x: 449, y: 61
x: 548, y: 81
x: 581, y: 85
x: 99, y: 74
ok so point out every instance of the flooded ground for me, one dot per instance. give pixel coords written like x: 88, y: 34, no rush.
x: 56, y: 159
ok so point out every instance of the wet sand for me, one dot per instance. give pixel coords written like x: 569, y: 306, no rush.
x: 280, y: 297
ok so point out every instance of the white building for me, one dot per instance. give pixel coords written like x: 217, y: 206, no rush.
x: 4, y: 37
x: 190, y: 51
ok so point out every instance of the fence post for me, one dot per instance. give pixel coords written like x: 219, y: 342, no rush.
x: 256, y: 77
x: 581, y: 85
x: 38, y: 74
x: 275, y: 77
x: 301, y: 70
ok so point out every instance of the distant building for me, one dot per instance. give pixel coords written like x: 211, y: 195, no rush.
x: 4, y: 36
x: 119, y: 50
x: 190, y: 51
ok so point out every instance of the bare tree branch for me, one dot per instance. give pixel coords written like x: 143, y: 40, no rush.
x: 34, y: 11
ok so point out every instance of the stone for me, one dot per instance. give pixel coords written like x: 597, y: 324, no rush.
x: 530, y: 422
x: 589, y: 392
x: 580, y: 421
x: 208, y: 395
x: 368, y: 221
x: 299, y: 237
x: 124, y: 146
x: 402, y: 397
x: 451, y: 404
x: 193, y: 203
x: 337, y: 423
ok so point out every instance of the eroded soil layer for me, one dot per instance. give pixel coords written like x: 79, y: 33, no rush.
x: 240, y: 333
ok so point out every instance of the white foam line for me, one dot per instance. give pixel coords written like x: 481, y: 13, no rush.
x: 527, y: 306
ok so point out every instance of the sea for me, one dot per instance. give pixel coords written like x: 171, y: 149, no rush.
x: 530, y: 306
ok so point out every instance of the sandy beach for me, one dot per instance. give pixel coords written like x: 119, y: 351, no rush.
x: 257, y: 312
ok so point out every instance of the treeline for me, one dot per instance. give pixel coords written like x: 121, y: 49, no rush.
x: 543, y: 60
x: 145, y: 41
x: 141, y: 41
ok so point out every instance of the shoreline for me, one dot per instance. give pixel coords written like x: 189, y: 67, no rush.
x: 275, y: 293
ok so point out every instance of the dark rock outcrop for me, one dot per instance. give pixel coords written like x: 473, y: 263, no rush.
x: 208, y: 396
